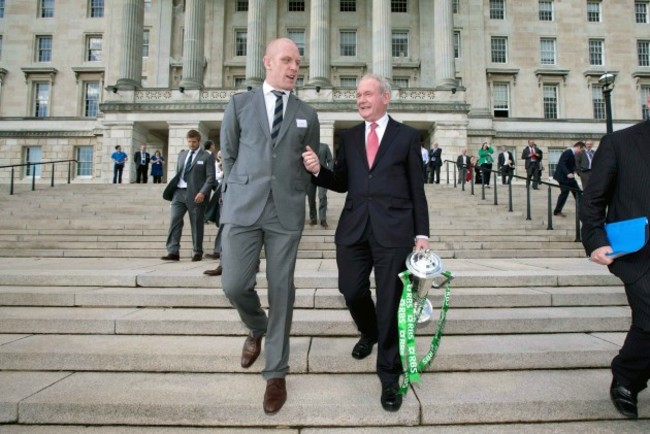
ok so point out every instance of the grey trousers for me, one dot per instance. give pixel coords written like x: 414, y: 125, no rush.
x: 322, y: 203
x: 241, y: 251
x: 181, y: 204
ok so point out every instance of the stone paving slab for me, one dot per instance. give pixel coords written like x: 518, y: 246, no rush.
x: 587, y: 296
x: 16, y: 386
x: 519, y: 396
x: 478, y: 353
x: 137, y: 353
x: 615, y: 338
x: 62, y: 429
x: 60, y: 319
x: 6, y: 338
x: 201, y: 400
x: 40, y: 295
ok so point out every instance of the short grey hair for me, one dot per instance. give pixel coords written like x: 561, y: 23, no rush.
x: 384, y: 84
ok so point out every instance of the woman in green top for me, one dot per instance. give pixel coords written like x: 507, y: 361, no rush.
x: 485, y: 162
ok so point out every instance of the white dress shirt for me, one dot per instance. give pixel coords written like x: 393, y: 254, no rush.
x: 181, y: 181
x: 269, y: 100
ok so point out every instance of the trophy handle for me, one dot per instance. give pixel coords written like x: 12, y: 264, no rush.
x: 448, y: 277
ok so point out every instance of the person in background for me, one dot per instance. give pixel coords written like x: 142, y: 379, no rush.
x: 506, y: 165
x: 485, y: 161
x: 565, y: 175
x: 425, y: 161
x: 435, y: 162
x: 325, y: 158
x: 462, y: 163
x: 157, y: 162
x: 119, y: 159
x: 142, y: 159
x: 533, y: 157
x: 584, y: 163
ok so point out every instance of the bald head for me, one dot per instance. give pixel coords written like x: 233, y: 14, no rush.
x: 282, y: 62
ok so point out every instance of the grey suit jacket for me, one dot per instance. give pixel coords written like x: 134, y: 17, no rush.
x: 201, y: 177
x: 253, y: 168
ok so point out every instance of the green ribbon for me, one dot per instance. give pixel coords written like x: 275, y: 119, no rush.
x: 406, y: 322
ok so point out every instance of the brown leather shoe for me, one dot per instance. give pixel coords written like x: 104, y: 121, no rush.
x: 275, y: 395
x: 212, y: 255
x: 197, y: 257
x: 251, y: 350
x: 216, y: 272
x: 171, y: 257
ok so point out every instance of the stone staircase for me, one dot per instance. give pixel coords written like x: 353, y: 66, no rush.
x: 98, y: 335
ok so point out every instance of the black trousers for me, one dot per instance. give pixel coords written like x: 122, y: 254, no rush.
x: 506, y: 174
x: 532, y: 172
x: 564, y: 193
x: 631, y: 367
x: 355, y: 263
x: 141, y: 173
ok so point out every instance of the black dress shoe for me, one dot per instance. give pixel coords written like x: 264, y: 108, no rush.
x: 558, y: 214
x: 312, y: 222
x: 624, y: 400
x: 197, y: 258
x: 363, y: 348
x: 391, y: 399
x: 212, y: 255
x: 171, y: 257
x: 216, y: 272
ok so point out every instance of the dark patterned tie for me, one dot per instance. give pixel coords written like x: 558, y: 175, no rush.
x: 187, y: 166
x: 277, y: 115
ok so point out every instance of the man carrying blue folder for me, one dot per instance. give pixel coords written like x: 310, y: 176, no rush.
x: 618, y: 191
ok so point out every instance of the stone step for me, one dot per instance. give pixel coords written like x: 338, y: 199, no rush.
x: 90, y: 398
x: 306, y: 322
x: 320, y: 298
x: 324, y: 355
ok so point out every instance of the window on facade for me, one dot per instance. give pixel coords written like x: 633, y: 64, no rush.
x: 84, y: 157
x: 238, y: 81
x: 593, y: 11
x: 400, y: 44
x: 550, y: 101
x: 41, y: 99
x: 554, y: 155
x: 298, y: 36
x: 547, y: 51
x: 300, y: 81
x: 145, y: 43
x: 43, y: 48
x: 399, y: 6
x: 2, y: 8
x: 456, y: 44
x: 240, y: 42
x: 545, y: 10
x: 91, y: 99
x: 596, y: 52
x: 96, y: 8
x: 33, y: 154
x: 645, y: 90
x: 46, y: 8
x: 455, y: 7
x: 241, y: 5
x: 501, y: 100
x: 641, y: 12
x: 348, y: 5
x: 598, y: 101
x: 497, y: 9
x: 349, y: 81
x: 348, y: 43
x: 296, y: 5
x: 94, y: 48
x: 499, y: 49
x: 400, y: 82
x: 643, y: 52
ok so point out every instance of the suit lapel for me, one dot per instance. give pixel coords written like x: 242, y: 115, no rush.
x: 288, y: 118
x: 359, y: 142
x: 259, y: 105
x: 389, y: 135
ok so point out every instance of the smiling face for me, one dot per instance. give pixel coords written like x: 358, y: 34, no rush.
x: 282, y: 61
x: 372, y: 103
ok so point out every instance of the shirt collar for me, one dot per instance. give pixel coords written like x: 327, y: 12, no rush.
x: 267, y: 88
x: 381, y: 122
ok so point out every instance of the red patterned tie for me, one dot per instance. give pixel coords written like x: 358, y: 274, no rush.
x: 372, y: 144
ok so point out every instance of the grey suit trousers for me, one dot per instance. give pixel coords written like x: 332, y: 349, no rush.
x: 181, y: 204
x: 241, y: 251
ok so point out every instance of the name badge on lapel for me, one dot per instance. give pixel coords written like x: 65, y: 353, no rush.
x: 301, y: 123
x: 200, y: 163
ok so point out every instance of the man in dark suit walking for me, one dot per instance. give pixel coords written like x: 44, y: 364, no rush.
x: 618, y: 190
x: 565, y: 175
x: 141, y: 160
x: 506, y: 165
x: 189, y: 191
x: 533, y: 156
x: 263, y: 135
x: 435, y: 161
x: 583, y: 163
x: 385, y: 215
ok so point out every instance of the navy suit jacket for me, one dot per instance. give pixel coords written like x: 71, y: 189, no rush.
x: 618, y: 190
x: 389, y: 195
x: 566, y: 165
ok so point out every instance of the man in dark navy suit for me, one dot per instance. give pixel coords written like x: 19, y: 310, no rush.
x: 618, y: 190
x: 385, y: 217
x: 565, y: 175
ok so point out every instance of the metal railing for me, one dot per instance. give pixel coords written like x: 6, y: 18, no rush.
x: 496, y: 173
x: 33, y: 172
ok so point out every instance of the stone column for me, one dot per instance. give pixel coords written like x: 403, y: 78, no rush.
x: 193, y: 53
x: 131, y: 45
x: 327, y: 133
x: 443, y: 25
x: 319, y: 53
x: 164, y: 45
x: 381, y: 39
x: 255, y: 45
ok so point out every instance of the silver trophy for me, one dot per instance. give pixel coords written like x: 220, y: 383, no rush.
x: 426, y: 270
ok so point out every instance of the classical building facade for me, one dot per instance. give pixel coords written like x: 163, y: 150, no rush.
x: 79, y: 77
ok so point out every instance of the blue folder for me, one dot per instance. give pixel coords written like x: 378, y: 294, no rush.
x: 627, y: 236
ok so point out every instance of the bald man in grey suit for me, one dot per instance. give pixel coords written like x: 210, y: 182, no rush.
x: 263, y: 135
